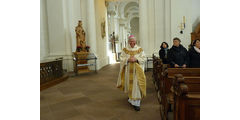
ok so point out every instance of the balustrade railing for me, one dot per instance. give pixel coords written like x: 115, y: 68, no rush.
x: 50, y: 70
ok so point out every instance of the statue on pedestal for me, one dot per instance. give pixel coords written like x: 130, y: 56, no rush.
x: 80, y: 37
x: 82, y: 50
x: 113, y: 39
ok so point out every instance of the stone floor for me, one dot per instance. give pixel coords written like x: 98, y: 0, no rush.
x: 94, y: 96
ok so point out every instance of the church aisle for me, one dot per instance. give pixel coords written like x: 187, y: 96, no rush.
x: 95, y: 97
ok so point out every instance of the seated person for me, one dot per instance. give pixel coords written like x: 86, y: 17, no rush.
x: 194, y: 54
x: 163, y: 52
x: 178, y: 55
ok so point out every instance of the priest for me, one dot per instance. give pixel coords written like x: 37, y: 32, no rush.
x: 131, y: 77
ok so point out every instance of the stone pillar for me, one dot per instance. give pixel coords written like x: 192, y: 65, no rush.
x: 143, y: 25
x: 56, y: 27
x: 124, y: 36
x: 112, y: 21
x: 111, y: 13
x: 68, y: 17
x: 91, y: 25
x: 59, y: 30
x: 44, y: 47
x: 121, y: 35
x: 116, y: 18
x: 159, y: 24
x: 151, y: 26
x: 167, y: 22
x: 74, y: 17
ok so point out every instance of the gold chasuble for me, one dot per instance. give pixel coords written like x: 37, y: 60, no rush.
x: 131, y: 78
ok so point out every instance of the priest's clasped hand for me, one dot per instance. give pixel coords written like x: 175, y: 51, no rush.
x: 132, y: 59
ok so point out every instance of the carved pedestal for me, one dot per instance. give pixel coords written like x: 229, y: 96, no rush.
x: 81, y: 60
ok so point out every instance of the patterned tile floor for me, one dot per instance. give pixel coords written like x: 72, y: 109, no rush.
x: 94, y: 96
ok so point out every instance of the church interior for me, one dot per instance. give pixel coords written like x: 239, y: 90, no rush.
x: 81, y: 43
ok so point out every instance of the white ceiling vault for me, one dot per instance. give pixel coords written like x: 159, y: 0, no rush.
x: 123, y: 20
x: 119, y: 0
x: 124, y: 11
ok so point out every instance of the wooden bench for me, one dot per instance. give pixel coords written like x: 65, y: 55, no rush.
x: 163, y: 80
x: 167, y: 97
x: 186, y: 97
x: 157, y: 63
x: 169, y: 75
x: 158, y: 68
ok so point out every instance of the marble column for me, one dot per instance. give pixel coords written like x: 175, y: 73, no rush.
x: 59, y: 22
x: 74, y: 17
x: 67, y: 18
x: 56, y: 27
x: 117, y: 25
x: 167, y: 22
x: 160, y: 25
x: 91, y: 25
x: 44, y: 42
x: 143, y: 25
x: 126, y: 33
x: 121, y: 35
x: 112, y: 21
x: 151, y: 26
x: 111, y: 12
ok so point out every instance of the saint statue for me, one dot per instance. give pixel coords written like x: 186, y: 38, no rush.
x: 113, y: 43
x: 80, y: 35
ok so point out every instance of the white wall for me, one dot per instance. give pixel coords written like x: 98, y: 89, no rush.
x: 178, y: 10
x: 101, y: 16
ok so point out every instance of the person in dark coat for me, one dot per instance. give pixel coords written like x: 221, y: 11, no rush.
x: 178, y: 55
x: 194, y: 54
x: 163, y: 52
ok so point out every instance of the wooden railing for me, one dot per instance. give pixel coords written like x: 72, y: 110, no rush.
x: 51, y: 73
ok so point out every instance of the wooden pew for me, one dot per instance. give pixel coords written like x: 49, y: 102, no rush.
x: 157, y: 63
x: 167, y: 97
x: 161, y: 91
x: 157, y: 69
x: 186, y: 97
x: 193, y: 83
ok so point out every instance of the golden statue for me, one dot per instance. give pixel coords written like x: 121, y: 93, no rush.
x: 80, y: 36
x: 81, y: 53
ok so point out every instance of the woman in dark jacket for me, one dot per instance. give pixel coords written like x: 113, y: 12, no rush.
x: 163, y: 52
x: 178, y: 55
x: 194, y: 54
